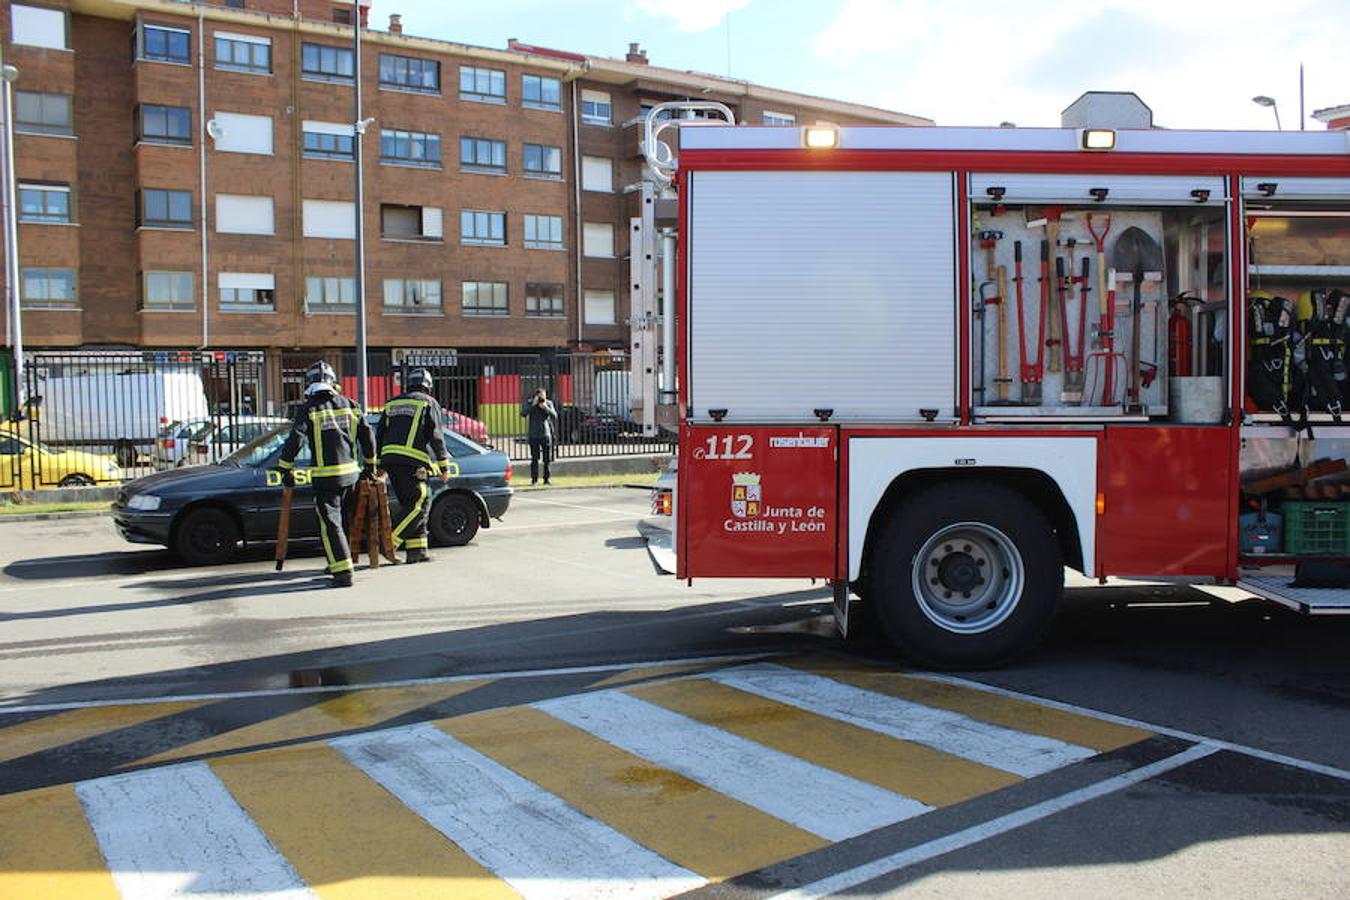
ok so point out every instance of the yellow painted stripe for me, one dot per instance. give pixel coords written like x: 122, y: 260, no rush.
x: 362, y: 709
x: 687, y: 823
x: 48, y: 850
x: 59, y: 729
x: 1022, y: 715
x: 345, y: 835
x: 909, y: 769
x: 646, y: 673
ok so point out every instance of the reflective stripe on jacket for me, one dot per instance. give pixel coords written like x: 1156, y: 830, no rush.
x: 409, y: 431
x: 334, y: 427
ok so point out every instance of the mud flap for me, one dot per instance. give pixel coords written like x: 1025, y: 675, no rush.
x: 841, y: 606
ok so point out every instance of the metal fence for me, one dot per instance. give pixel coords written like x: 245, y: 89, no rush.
x: 103, y: 416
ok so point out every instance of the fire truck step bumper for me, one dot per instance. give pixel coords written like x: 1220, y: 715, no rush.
x: 1313, y: 601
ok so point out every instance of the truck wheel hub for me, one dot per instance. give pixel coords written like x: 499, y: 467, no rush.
x: 968, y: 578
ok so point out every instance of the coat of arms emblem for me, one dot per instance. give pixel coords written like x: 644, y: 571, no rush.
x: 745, y: 495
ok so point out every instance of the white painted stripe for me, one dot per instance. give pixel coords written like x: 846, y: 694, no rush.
x: 1002, y: 748
x: 529, y: 838
x: 994, y: 827
x: 177, y: 832
x: 404, y: 682
x: 812, y: 798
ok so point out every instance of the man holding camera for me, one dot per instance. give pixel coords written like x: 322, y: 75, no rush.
x: 543, y: 423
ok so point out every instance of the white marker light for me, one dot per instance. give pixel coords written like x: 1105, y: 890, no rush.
x: 820, y: 137
x: 1098, y: 139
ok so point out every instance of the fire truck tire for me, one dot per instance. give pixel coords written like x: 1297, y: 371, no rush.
x: 966, y: 575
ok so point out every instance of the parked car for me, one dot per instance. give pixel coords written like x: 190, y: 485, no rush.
x: 204, y: 513
x: 471, y: 428
x: 218, y: 440
x: 605, y: 424
x: 171, y: 445
x: 27, y: 464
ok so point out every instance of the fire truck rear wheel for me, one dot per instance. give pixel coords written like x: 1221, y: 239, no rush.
x: 966, y: 575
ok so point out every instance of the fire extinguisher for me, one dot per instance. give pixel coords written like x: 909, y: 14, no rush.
x: 1179, y: 336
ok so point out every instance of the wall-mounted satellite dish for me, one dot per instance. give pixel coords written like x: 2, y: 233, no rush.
x: 215, y: 129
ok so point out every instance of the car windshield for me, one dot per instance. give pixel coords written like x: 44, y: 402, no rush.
x: 259, y: 450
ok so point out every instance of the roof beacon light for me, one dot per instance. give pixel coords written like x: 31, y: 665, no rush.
x: 820, y: 137
x: 1097, y: 139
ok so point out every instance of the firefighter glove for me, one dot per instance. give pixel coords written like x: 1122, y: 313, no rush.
x: 368, y: 472
x: 445, y: 468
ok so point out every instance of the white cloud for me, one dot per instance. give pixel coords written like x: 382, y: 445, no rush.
x: 692, y: 15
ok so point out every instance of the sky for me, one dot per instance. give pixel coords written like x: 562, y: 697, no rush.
x: 1197, y: 63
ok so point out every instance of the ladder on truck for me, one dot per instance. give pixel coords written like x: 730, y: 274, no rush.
x: 651, y: 262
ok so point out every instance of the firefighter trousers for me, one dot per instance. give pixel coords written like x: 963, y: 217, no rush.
x: 410, y: 487
x: 334, y: 506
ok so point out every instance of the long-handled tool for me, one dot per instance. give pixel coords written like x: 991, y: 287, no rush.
x: 1001, y: 351
x: 284, y: 525
x: 1074, y: 376
x: 1136, y: 252
x: 982, y: 314
x: 1030, y: 370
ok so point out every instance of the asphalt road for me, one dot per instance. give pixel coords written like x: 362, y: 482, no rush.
x: 1242, y: 787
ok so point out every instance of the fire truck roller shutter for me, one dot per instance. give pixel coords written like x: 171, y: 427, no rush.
x: 821, y: 290
x: 1121, y: 190
x: 963, y: 540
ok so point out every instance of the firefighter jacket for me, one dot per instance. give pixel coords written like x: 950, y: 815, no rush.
x: 409, y: 432
x: 334, y: 427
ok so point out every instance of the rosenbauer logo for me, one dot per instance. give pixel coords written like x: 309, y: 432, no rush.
x: 745, y: 495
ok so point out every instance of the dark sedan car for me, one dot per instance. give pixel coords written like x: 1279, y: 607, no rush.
x: 203, y: 513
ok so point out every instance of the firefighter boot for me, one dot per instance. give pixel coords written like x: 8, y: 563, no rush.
x: 417, y: 555
x: 342, y: 579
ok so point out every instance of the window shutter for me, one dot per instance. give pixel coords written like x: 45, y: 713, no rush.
x: 247, y: 281
x: 237, y: 214
x: 38, y: 27
x: 243, y: 134
x: 330, y: 219
x: 432, y: 222
x: 597, y: 174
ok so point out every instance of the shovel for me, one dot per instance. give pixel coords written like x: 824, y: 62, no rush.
x: 1136, y: 252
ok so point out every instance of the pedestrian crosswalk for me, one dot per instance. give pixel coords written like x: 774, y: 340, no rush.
x: 647, y: 788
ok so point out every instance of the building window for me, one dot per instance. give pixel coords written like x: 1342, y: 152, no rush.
x: 165, y: 209
x: 412, y: 295
x: 243, y: 53
x: 597, y: 174
x: 168, y: 291
x: 482, y: 155
x: 319, y: 62
x: 241, y: 214
x: 600, y: 308
x: 335, y: 219
x: 164, y: 124
x: 777, y: 118
x: 410, y: 148
x: 544, y: 301
x: 595, y: 108
x: 477, y: 227
x: 247, y: 292
x: 342, y: 16
x: 37, y: 26
x: 543, y: 232
x: 483, y: 85
x: 598, y: 239
x: 542, y: 161
x: 42, y: 113
x: 538, y: 92
x: 485, y: 298
x: 165, y: 44
x: 49, y: 289
x: 330, y: 140
x: 326, y: 294
x: 411, y: 223
x: 44, y: 202
x: 406, y: 73
x: 238, y: 133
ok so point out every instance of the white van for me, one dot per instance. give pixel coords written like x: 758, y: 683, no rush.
x: 124, y: 412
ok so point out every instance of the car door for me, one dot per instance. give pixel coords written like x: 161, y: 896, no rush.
x: 265, y: 502
x: 11, y: 461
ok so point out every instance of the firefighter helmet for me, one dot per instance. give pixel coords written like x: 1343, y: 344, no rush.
x: 419, y: 380
x: 320, y: 373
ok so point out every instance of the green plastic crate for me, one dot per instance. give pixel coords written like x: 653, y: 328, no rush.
x: 1316, y: 528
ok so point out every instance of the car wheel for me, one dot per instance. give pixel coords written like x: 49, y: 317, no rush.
x: 76, y: 480
x: 454, y: 520
x: 206, y: 536
x: 966, y: 575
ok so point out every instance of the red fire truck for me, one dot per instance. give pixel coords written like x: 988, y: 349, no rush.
x: 936, y: 366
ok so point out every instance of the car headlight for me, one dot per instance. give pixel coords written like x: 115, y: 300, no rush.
x: 145, y: 502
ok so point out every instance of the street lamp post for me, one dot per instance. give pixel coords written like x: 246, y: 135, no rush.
x: 359, y: 128
x: 8, y: 75
x: 1263, y: 100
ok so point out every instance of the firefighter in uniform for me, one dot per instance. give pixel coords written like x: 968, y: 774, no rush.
x: 411, y: 447
x: 335, y: 428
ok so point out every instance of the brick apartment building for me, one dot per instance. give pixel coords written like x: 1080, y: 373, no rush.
x: 186, y: 178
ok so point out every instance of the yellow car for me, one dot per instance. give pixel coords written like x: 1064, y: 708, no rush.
x: 26, y: 464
